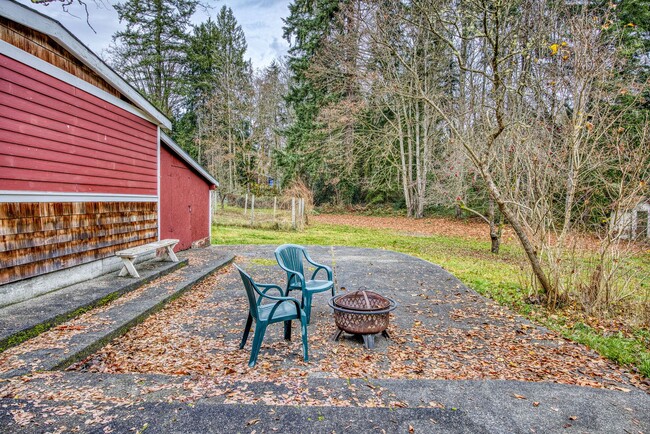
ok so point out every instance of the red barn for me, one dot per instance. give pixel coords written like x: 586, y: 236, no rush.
x: 184, y: 187
x: 85, y: 168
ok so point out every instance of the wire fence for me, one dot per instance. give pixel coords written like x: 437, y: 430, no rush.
x: 277, y: 212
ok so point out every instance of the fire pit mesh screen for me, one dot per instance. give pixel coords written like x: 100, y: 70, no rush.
x: 361, y: 324
x: 361, y: 312
x: 362, y: 300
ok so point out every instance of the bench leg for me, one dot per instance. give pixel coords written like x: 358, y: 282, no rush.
x: 170, y: 254
x: 128, y: 268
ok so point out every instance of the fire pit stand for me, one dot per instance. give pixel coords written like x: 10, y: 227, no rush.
x: 362, y: 312
x: 368, y: 339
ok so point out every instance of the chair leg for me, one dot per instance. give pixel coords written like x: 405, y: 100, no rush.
x: 247, y: 329
x: 333, y: 291
x: 287, y: 330
x: 305, y: 344
x: 307, y: 299
x: 260, y: 329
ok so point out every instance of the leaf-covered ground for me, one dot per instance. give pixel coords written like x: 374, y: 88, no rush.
x: 621, y: 335
x: 440, y: 331
x: 189, y: 352
x: 426, y: 226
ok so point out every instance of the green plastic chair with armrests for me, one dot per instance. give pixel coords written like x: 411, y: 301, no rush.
x: 284, y: 309
x: 290, y: 259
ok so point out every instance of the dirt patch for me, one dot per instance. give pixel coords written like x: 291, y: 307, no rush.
x: 468, y: 228
x: 426, y: 226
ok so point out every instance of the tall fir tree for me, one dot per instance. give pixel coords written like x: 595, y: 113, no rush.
x: 308, y: 23
x: 202, y: 74
x: 150, y: 52
x: 215, y: 125
x: 632, y: 32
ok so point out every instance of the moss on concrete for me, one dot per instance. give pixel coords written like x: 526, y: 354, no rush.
x: 24, y: 335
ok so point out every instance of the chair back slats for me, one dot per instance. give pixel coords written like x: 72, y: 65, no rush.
x: 290, y: 256
x: 250, y: 292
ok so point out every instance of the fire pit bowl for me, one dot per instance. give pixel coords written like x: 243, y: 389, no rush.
x: 363, y: 313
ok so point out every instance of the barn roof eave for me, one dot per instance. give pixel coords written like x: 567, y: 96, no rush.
x: 189, y: 160
x: 33, y: 19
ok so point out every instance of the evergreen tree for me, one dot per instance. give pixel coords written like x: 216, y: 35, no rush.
x: 150, y: 51
x: 308, y: 23
x: 631, y: 31
x: 217, y: 86
x: 201, y: 75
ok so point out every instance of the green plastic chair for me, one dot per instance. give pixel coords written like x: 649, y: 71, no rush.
x: 284, y: 310
x: 290, y: 259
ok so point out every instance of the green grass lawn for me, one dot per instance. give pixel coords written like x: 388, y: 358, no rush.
x: 499, y: 277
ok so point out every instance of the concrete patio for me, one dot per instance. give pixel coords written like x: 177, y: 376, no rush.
x: 456, y: 362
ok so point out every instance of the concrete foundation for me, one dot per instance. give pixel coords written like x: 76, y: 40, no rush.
x: 16, y: 292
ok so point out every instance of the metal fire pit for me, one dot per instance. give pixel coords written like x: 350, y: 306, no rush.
x: 362, y: 312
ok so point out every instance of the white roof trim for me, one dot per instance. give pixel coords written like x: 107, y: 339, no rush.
x: 44, y: 24
x: 25, y: 58
x: 14, y: 196
x: 185, y: 157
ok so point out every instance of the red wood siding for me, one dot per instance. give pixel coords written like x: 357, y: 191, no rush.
x: 55, y: 137
x: 184, y: 201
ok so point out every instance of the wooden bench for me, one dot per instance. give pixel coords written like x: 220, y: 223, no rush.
x: 129, y: 255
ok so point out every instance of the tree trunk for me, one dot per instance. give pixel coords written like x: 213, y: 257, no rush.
x: 521, y: 235
x: 405, y: 182
x: 419, y: 205
x: 496, y: 242
x: 495, y: 228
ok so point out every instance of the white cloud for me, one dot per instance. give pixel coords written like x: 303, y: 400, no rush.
x: 262, y: 23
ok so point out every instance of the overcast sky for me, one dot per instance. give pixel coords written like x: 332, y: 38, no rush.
x: 261, y: 21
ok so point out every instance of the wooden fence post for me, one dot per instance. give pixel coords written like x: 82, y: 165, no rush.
x: 293, y: 212
x: 246, y: 204
x: 275, y: 206
x: 252, y: 209
x: 302, y: 212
